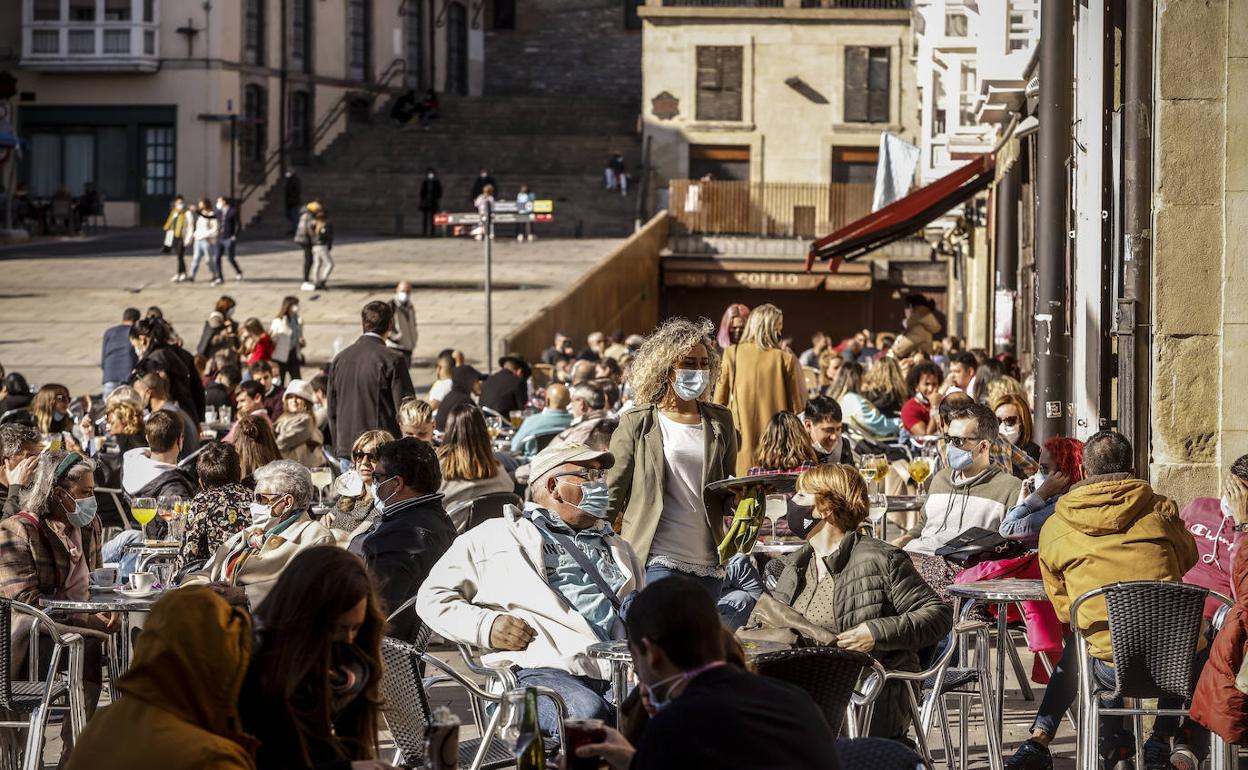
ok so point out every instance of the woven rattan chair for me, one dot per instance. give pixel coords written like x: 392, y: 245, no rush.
x: 828, y: 674
x: 33, y: 698
x: 1154, y: 632
x: 877, y: 754
x: 408, y: 713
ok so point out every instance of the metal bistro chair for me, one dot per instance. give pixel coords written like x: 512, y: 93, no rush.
x: 1154, y: 630
x: 20, y: 415
x: 542, y: 440
x: 878, y: 754
x: 490, y: 506
x: 828, y: 674
x: 34, y: 698
x: 408, y: 711
x: 939, y: 681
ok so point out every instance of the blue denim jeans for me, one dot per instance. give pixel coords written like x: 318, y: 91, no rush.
x: 713, y: 585
x: 115, y: 551
x: 741, y: 588
x: 585, y: 697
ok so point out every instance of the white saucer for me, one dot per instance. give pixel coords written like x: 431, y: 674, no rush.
x: 136, y: 593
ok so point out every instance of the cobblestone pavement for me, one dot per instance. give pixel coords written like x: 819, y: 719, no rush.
x: 56, y: 299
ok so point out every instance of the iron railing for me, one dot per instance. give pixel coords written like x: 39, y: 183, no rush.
x: 765, y: 208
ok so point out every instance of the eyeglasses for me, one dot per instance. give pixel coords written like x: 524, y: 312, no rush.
x: 961, y: 442
x: 361, y: 455
x: 261, y: 497
x: 589, y: 474
x: 1011, y: 421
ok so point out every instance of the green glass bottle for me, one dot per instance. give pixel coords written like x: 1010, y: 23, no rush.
x: 530, y: 751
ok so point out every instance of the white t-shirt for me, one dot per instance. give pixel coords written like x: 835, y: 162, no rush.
x: 682, y: 533
x: 439, y: 389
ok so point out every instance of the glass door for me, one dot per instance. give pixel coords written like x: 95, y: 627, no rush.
x: 159, y: 177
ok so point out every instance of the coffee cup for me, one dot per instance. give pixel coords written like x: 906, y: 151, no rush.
x: 104, y: 576
x: 142, y: 581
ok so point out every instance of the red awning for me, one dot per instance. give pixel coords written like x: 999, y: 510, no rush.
x: 903, y: 217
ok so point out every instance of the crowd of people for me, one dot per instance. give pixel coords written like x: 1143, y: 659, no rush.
x: 320, y: 507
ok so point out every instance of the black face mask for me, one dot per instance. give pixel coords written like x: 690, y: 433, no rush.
x: 801, y: 519
x: 735, y: 335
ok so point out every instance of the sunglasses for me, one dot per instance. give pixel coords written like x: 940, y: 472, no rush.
x: 1012, y: 421
x: 370, y: 456
x: 961, y: 442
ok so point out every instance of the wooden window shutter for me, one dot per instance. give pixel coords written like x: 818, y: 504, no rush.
x: 719, y: 82
x: 877, y: 86
x: 856, y: 73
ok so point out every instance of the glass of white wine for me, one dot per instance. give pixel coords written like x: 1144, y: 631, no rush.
x: 777, y: 507
x: 877, y: 510
x: 920, y: 471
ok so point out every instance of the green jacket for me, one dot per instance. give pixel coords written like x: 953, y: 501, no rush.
x: 636, y: 479
x: 875, y: 583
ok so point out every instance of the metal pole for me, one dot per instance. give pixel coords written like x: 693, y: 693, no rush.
x: 1053, y: 204
x: 281, y: 96
x: 233, y: 144
x: 487, y: 228
x: 1135, y: 307
x: 1008, y: 193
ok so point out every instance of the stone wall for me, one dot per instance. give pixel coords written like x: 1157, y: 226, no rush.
x: 574, y: 48
x: 1200, y: 357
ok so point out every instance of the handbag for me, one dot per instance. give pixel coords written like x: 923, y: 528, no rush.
x: 774, y: 621
x: 977, y: 544
x: 168, y: 245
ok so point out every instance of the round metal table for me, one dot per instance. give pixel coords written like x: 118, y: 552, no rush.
x: 782, y: 548
x: 1001, y: 594
x: 152, y: 553
x: 621, y: 659
x: 108, y: 601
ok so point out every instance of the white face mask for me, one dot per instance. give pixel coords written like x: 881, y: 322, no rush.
x: 1227, y: 511
x: 401, y: 297
x: 1011, y: 433
x: 261, y: 514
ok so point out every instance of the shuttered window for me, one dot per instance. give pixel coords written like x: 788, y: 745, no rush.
x: 866, y: 84
x: 719, y: 83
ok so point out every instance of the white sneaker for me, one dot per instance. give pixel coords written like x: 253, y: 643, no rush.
x: 239, y: 278
x: 307, y: 286
x: 217, y: 281
x: 520, y: 237
x: 179, y: 278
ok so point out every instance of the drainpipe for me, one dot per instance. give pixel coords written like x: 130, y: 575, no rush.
x: 1007, y: 197
x: 1052, y: 337
x: 1135, y: 308
x: 281, y: 95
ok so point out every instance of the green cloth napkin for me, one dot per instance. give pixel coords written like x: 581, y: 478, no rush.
x: 742, y: 534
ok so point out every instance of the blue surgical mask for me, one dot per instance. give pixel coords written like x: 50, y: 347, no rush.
x: 58, y: 415
x: 380, y: 503
x: 653, y: 700
x: 960, y: 459
x: 691, y: 383
x: 83, y: 513
x: 595, y: 499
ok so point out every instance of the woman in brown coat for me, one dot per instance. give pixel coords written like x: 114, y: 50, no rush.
x: 758, y: 379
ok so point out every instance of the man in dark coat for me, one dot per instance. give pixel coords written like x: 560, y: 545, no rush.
x: 412, y: 531
x: 293, y: 198
x: 117, y: 356
x: 505, y: 390
x: 465, y: 383
x: 430, y: 201
x: 367, y: 382
x: 479, y: 184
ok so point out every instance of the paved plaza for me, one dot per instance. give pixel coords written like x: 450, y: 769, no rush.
x: 57, y: 298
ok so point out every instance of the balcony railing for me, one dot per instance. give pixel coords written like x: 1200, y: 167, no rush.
x: 91, y: 46
x: 776, y: 209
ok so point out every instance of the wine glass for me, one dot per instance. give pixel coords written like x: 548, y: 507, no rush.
x: 920, y: 471
x: 867, y: 468
x: 144, y: 510
x: 877, y: 510
x: 777, y: 506
x: 512, y: 705
x: 881, y: 467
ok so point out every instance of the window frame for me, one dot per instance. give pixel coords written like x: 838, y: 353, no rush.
x: 863, y: 102
x: 254, y: 30
x: 711, y: 96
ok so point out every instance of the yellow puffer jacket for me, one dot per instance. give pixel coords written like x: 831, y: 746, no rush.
x: 1108, y: 529
x: 180, y: 710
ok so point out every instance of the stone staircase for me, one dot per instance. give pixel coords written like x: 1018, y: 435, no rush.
x: 369, y: 178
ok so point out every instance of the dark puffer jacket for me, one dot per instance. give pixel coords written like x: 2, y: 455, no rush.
x: 875, y: 583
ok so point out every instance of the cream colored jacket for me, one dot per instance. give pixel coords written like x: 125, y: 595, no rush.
x: 496, y: 568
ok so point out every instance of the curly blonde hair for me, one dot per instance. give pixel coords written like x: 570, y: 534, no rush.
x: 662, y: 351
x: 1003, y: 386
x: 127, y: 418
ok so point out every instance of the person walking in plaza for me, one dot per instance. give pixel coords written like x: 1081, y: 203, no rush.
x: 205, y: 241
x: 732, y: 325
x: 367, y: 383
x: 759, y: 378
x: 179, y: 230
x: 230, y: 225
x: 403, y: 334
x: 668, y: 447
x: 303, y: 239
x: 321, y: 233
x: 292, y: 196
x: 484, y: 204
x: 479, y: 184
x: 286, y: 331
x: 1109, y: 527
x: 430, y: 201
x: 117, y: 356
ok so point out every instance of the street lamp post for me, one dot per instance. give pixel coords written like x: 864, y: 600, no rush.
x: 487, y: 230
